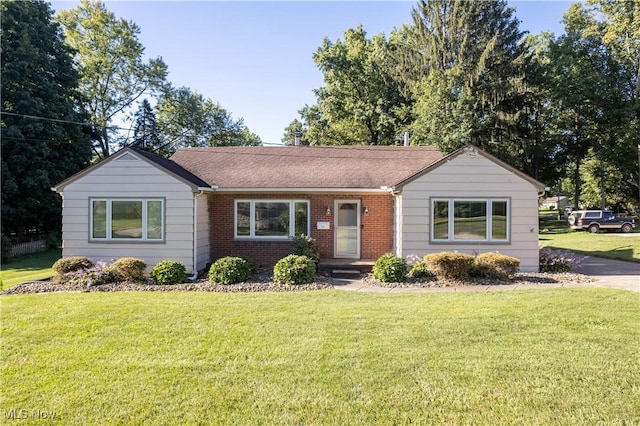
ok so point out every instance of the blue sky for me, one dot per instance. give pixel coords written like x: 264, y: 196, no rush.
x: 255, y: 58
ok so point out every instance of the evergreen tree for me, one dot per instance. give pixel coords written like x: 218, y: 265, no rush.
x: 41, y: 145
x: 145, y: 129
x: 471, y: 74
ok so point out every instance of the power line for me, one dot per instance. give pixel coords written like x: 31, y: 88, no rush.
x: 57, y: 120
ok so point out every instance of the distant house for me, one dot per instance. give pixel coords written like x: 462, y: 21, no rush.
x: 358, y: 202
x: 557, y: 202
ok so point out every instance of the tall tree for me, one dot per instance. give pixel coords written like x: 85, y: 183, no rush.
x: 593, y: 95
x: 617, y: 23
x: 109, y: 57
x: 361, y: 103
x: 186, y: 118
x: 471, y: 77
x: 41, y: 145
x: 145, y: 129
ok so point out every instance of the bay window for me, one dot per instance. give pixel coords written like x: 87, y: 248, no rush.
x: 126, y: 219
x: 271, y: 218
x: 470, y: 220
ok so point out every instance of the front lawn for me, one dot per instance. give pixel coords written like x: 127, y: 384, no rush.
x: 28, y: 267
x: 608, y: 245
x: 563, y: 356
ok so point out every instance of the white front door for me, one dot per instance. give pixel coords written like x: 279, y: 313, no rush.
x: 347, y: 229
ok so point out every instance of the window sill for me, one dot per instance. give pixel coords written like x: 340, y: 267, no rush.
x: 127, y: 241
x: 264, y: 239
x: 475, y: 242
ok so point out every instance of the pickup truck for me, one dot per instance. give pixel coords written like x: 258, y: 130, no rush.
x: 595, y: 220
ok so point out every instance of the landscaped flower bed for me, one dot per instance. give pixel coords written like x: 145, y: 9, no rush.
x: 263, y: 281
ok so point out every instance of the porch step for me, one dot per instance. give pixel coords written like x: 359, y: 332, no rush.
x: 343, y: 273
x: 345, y: 266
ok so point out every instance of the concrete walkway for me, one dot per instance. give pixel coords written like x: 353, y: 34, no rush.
x: 606, y: 273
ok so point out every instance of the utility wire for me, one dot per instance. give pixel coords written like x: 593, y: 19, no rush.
x: 58, y: 120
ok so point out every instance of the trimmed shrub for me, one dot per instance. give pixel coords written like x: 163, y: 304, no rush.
x: 169, y: 272
x: 419, y: 270
x: 107, y: 275
x: 449, y: 265
x: 71, y: 264
x: 230, y: 270
x: 303, y: 245
x: 97, y: 274
x: 496, y: 265
x: 294, y: 269
x: 129, y: 269
x: 562, y: 261
x: 390, y: 268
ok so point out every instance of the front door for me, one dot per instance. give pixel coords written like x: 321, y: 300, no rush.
x: 347, y: 229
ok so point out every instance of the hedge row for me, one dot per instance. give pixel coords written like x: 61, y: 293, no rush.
x: 446, y: 265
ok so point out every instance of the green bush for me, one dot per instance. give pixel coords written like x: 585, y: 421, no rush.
x: 53, y: 240
x: 230, y: 270
x: 5, y: 249
x: 107, y: 275
x: 71, y: 264
x: 419, y: 270
x: 128, y: 269
x: 294, y: 269
x: 496, y: 265
x: 303, y: 245
x: 169, y: 272
x: 557, y: 261
x: 390, y: 268
x: 449, y: 265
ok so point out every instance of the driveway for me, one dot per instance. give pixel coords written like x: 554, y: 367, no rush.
x: 612, y: 273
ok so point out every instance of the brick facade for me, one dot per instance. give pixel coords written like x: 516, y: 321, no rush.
x: 376, y: 230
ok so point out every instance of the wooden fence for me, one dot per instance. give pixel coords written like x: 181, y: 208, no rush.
x: 28, y: 247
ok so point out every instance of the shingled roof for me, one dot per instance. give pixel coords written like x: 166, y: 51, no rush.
x: 296, y: 167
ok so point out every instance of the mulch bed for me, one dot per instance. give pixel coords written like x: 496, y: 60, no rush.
x: 262, y: 281
x: 518, y: 279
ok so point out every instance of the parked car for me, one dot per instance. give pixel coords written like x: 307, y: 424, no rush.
x: 595, y: 220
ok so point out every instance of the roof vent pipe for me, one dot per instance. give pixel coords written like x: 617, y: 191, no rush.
x: 406, y: 138
x: 296, y: 136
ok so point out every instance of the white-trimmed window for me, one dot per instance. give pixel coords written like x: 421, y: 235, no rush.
x: 470, y: 220
x: 271, y: 218
x: 127, y: 219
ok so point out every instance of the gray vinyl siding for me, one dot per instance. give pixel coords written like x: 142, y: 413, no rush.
x: 471, y: 177
x: 137, y: 179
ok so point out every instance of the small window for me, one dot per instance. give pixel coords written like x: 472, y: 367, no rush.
x: 127, y: 220
x: 271, y: 218
x: 466, y: 220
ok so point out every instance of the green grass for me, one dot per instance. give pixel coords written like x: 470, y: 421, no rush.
x: 610, y: 245
x: 561, y: 356
x: 28, y: 267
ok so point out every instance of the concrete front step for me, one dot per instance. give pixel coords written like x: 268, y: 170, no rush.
x: 357, y: 266
x: 345, y: 273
